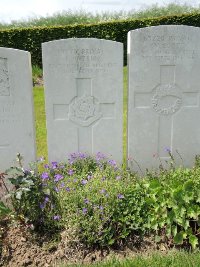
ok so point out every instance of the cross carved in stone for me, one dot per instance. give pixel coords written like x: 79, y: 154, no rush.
x: 166, y: 99
x: 84, y: 110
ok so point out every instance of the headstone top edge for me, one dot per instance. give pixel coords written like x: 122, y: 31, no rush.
x: 169, y: 26
x: 71, y: 40
x: 13, y: 50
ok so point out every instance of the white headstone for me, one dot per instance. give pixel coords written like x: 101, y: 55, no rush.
x: 164, y: 89
x: 17, y: 134
x: 84, y: 97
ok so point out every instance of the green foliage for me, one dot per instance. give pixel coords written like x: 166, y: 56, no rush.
x: 4, y: 210
x: 30, y: 39
x: 84, y: 17
x: 36, y: 73
x: 105, y: 205
x: 173, y: 200
x: 29, y: 196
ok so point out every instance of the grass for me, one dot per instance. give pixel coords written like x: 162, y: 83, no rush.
x: 171, y: 259
x: 40, y: 117
x: 40, y: 121
x: 84, y: 17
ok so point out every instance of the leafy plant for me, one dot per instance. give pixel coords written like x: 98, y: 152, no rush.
x: 103, y: 204
x: 36, y: 73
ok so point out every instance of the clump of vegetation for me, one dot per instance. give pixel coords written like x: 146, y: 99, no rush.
x: 36, y: 74
x: 85, y: 17
x: 104, y: 205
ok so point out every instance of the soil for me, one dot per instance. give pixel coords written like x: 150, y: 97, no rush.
x: 22, y: 247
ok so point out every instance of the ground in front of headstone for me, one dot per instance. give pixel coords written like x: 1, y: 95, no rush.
x: 19, y: 247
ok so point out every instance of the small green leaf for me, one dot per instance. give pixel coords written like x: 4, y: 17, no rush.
x: 174, y: 230
x: 178, y: 239
x: 189, y: 186
x: 186, y: 224
x: 168, y: 231
x: 3, y: 209
x: 154, y: 225
x: 193, y: 241
x: 154, y: 184
x: 111, y: 241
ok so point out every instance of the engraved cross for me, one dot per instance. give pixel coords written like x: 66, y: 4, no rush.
x: 83, y: 111
x: 166, y: 99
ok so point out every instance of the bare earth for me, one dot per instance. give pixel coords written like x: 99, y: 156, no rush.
x: 20, y: 247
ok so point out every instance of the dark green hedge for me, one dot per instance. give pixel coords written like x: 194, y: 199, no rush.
x: 30, y: 39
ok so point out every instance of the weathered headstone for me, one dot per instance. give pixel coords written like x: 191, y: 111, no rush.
x: 84, y: 97
x: 17, y: 133
x: 164, y: 89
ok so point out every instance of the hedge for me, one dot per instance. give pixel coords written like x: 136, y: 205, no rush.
x: 30, y: 39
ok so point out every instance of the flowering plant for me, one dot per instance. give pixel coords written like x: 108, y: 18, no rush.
x: 103, y: 204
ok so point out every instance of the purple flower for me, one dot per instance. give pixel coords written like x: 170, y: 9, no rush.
x: 67, y: 189
x: 75, y: 180
x: 45, y: 175
x: 102, y: 191
x: 83, y: 182
x: 120, y: 196
x: 86, y: 201
x: 58, y: 177
x: 40, y: 159
x: 42, y: 205
x: 101, y: 207
x: 62, y: 185
x: 27, y: 172
x: 73, y: 156
x: 89, y: 177
x: 100, y: 156
x: 46, y: 166
x: 70, y: 161
x: 118, y: 178
x: 54, y: 164
x: 56, y: 217
x: 82, y: 155
x: 76, y: 156
x: 85, y: 210
x: 167, y: 149
x: 112, y: 162
x: 70, y: 172
x: 56, y: 189
x: 46, y: 199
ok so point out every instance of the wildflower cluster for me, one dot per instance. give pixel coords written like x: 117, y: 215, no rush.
x: 104, y: 204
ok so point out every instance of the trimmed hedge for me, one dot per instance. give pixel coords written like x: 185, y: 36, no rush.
x: 30, y: 39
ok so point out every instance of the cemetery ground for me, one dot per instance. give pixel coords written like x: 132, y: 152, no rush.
x: 112, y: 215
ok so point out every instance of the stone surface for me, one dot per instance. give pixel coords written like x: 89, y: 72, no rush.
x: 84, y: 97
x: 16, y: 108
x: 164, y: 88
